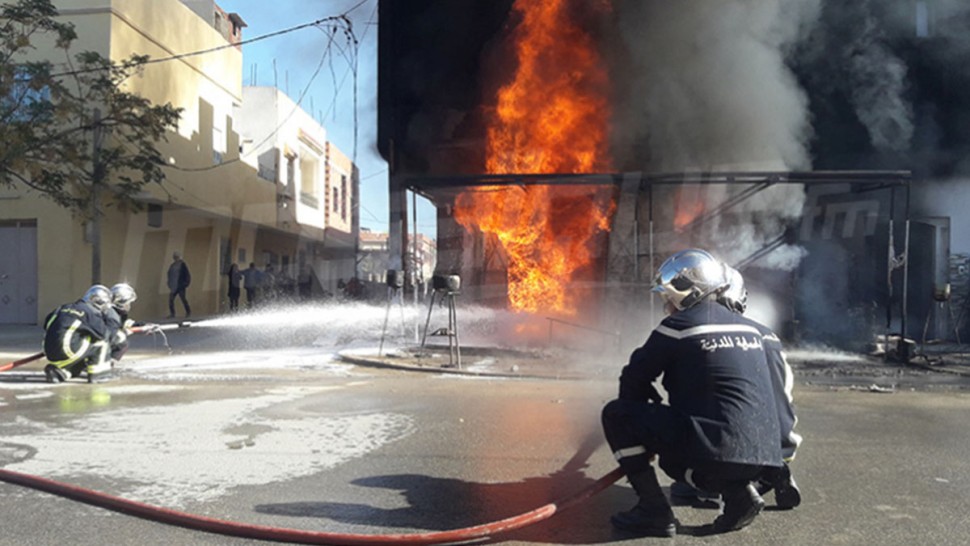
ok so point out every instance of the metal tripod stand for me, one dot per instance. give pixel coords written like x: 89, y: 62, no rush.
x: 447, y: 288
x: 395, y: 285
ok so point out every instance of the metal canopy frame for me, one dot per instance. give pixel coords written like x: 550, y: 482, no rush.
x: 438, y: 187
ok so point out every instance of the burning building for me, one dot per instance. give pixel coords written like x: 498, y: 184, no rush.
x: 569, y: 146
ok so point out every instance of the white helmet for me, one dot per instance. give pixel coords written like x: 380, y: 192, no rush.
x: 122, y: 296
x: 99, y: 296
x: 735, y: 295
x: 688, y: 277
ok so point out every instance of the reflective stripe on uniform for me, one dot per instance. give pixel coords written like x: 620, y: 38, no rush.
x: 72, y: 357
x: 707, y: 329
x: 102, y: 365
x: 629, y: 452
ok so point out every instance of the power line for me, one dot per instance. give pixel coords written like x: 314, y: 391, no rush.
x: 296, y: 106
x: 333, y: 18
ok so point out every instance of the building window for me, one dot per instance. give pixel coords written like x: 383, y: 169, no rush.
x: 308, y: 180
x: 343, y: 192
x: 154, y: 215
x: 24, y: 102
x: 218, y: 145
x: 290, y: 170
x: 336, y: 200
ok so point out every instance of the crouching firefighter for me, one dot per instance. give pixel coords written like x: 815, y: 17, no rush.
x: 787, y: 493
x: 119, y: 324
x: 76, y: 338
x: 718, y: 431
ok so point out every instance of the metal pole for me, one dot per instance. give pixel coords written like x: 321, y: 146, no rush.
x: 97, y: 174
x: 417, y: 259
x: 905, y: 278
x: 653, y: 311
x: 890, y: 259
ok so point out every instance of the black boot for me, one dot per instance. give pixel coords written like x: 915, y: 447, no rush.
x: 742, y: 504
x: 787, y: 495
x: 652, y: 515
x: 55, y: 374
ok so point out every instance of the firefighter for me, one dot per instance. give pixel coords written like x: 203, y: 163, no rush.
x: 718, y: 430
x: 76, y: 338
x: 122, y: 296
x: 787, y: 494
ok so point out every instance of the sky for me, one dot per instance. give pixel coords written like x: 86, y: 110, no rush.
x: 292, y: 62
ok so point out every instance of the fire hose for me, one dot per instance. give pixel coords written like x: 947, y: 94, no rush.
x: 144, y: 329
x: 21, y: 362
x: 262, y: 532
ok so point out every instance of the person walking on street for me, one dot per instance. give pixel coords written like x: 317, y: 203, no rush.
x: 268, y: 283
x: 252, y: 278
x: 235, y: 277
x: 179, y: 279
x: 718, y: 430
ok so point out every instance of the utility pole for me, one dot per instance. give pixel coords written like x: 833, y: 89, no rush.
x: 97, y: 174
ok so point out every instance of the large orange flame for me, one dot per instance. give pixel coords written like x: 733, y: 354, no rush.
x: 551, y: 118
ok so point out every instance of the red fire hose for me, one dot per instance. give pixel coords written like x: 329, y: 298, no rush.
x: 262, y: 532
x: 146, y: 329
x: 21, y: 362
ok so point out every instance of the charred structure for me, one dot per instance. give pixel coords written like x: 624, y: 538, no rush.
x: 746, y: 102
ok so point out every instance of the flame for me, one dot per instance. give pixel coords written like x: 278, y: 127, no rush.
x: 551, y: 118
x: 687, y: 208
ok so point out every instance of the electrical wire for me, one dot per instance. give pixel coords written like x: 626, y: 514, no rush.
x: 341, y: 17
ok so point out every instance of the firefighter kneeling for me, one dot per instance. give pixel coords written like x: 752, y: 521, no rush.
x: 719, y: 429
x: 77, y: 339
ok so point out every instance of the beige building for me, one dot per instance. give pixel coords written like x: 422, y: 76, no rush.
x: 375, y: 256
x: 216, y: 206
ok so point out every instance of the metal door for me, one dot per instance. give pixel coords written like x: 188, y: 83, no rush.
x: 18, y: 272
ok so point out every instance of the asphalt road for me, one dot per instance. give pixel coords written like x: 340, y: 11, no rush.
x: 290, y: 437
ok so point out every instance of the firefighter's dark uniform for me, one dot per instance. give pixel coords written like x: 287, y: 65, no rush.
x: 117, y: 325
x: 75, y: 338
x: 782, y: 381
x: 720, y: 428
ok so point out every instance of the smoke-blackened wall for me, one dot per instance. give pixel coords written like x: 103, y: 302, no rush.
x: 889, y: 85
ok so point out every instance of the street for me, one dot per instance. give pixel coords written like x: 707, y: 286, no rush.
x: 291, y: 437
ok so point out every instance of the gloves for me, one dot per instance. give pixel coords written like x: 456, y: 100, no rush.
x: 119, y: 338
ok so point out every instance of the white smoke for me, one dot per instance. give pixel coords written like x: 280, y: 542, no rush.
x: 709, y: 90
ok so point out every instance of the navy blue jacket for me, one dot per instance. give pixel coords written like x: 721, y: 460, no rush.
x: 716, y: 373
x: 782, y: 381
x: 70, y: 329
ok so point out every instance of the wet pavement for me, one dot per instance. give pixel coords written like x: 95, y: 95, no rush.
x: 276, y: 429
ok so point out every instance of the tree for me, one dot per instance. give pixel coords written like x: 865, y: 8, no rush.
x: 69, y: 130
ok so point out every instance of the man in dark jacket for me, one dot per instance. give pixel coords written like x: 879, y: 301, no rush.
x: 179, y: 279
x: 76, y: 338
x: 719, y: 431
x: 787, y: 494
